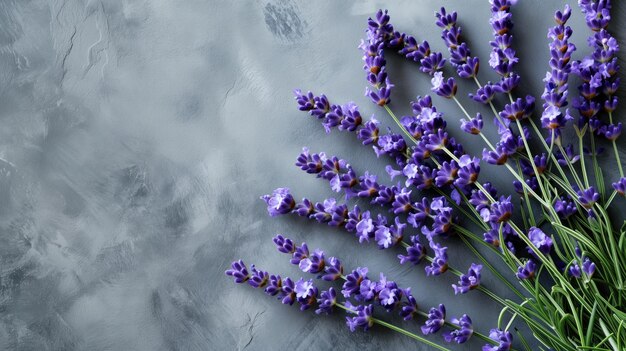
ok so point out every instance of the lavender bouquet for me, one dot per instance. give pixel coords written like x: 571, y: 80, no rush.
x: 564, y: 256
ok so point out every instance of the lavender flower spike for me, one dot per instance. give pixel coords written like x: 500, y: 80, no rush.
x: 462, y: 334
x: 363, y: 319
x: 588, y: 197
x: 436, y: 319
x: 540, y: 240
x: 333, y: 270
x: 279, y: 202
x: 620, y: 186
x: 239, y: 272
x: 440, y: 261
x: 327, y: 301
x: 503, y: 338
x: 306, y: 293
x: 527, y: 271
x: 445, y: 88
x: 468, y: 281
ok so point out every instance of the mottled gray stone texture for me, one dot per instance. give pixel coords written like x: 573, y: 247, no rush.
x: 136, y: 137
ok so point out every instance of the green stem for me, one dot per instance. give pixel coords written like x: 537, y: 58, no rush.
x: 582, y: 160
x: 409, y: 334
x: 400, y: 124
x: 617, y: 158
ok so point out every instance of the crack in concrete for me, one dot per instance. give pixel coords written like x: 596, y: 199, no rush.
x: 66, y: 55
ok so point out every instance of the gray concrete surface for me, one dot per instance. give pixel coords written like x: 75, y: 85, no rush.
x: 137, y: 136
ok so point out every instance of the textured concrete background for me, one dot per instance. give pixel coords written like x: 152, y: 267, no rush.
x: 136, y: 137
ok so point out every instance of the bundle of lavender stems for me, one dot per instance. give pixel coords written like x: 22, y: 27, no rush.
x: 559, y: 252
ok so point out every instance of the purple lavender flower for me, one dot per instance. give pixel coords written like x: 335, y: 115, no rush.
x: 588, y: 197
x: 274, y: 286
x: 565, y: 207
x: 414, y: 253
x: 432, y: 64
x: 368, y: 291
x: 460, y: 55
x: 479, y: 200
x: 380, y: 97
x: 379, y: 28
x: 422, y: 177
x: 441, y: 223
x: 597, y: 14
x: 507, y: 84
x: 333, y: 118
x: 555, y: 92
x: 320, y: 107
x: 446, y: 173
x: 468, y: 171
x: 354, y: 217
x: 239, y: 272
x: 462, y: 334
x: 368, y: 185
x: 389, y: 295
x: 503, y: 338
x: 540, y: 240
x: 306, y: 293
x: 365, y: 227
x: 390, y: 144
x: 363, y: 319
x: 527, y: 271
x: 304, y: 208
x: 409, y: 307
x: 611, y: 131
x: 492, y: 236
x: 588, y: 267
x: 386, y: 195
x: 502, y: 58
x: 339, y: 215
x: 436, y: 319
x: 486, y: 93
x: 520, y: 109
x: 569, y: 156
x: 353, y: 281
x: 323, y: 211
x: 474, y: 125
x: 300, y: 253
x: 574, y: 270
x: 445, y: 88
x: 314, y: 263
x: 327, y: 301
x: 280, y: 202
x: 288, y: 293
x: 284, y: 245
x: 352, y: 119
x: 306, y: 101
x: 258, y: 278
x: 468, y: 281
x: 421, y: 211
x: 310, y: 163
x: 332, y: 167
x: 497, y: 157
x: 369, y: 133
x: 387, y: 236
x: 499, y: 212
x: 333, y: 269
x: 469, y: 69
x: 414, y: 51
x: 620, y: 186
x: 439, y: 264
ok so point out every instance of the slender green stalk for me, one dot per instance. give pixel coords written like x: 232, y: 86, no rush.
x: 617, y: 158
x: 406, y: 132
